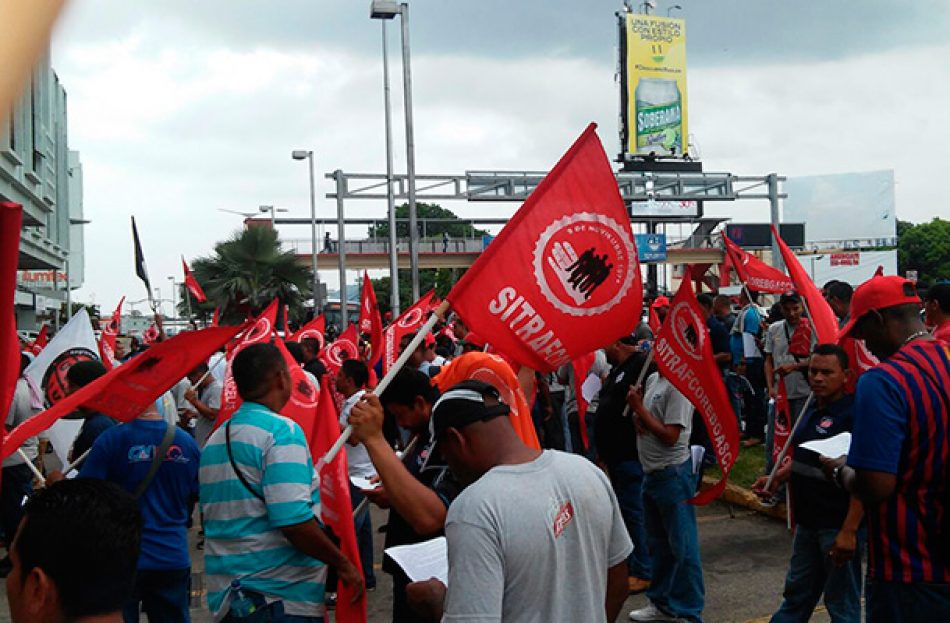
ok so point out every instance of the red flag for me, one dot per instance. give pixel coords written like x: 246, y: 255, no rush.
x: 879, y: 272
x: 11, y: 218
x: 860, y: 360
x: 41, y: 340
x: 495, y: 371
x: 336, y: 510
x: 783, y: 422
x: 316, y: 329
x: 653, y: 320
x: 302, y: 405
x: 823, y: 318
x: 216, y: 317
x: 684, y: 355
x: 151, y: 334
x: 192, y: 284
x: 408, y: 322
x: 562, y: 278
x: 107, y: 339
x: 582, y: 366
x: 345, y: 347
x: 754, y: 273
x: 261, y: 331
x: 371, y: 322
x: 126, y: 390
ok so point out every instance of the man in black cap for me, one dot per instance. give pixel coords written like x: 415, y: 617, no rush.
x: 536, y: 534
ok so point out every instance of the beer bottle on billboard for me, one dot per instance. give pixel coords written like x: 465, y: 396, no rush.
x: 659, y: 116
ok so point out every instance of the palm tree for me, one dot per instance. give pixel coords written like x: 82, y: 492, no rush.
x: 248, y: 271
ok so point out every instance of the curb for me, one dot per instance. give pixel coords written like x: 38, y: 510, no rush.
x: 739, y: 496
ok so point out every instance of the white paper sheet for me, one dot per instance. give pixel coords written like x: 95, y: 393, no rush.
x: 749, y: 346
x: 698, y: 453
x: 591, y: 387
x: 362, y: 482
x: 421, y: 561
x: 833, y: 447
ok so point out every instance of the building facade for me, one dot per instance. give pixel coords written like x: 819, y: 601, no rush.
x: 38, y: 171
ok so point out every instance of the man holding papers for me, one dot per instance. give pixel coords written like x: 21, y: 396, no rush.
x: 537, y: 535
x: 826, y: 556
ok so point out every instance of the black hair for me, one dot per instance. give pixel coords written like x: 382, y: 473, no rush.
x: 310, y: 342
x: 940, y: 293
x: 253, y: 368
x: 24, y: 362
x: 408, y: 385
x: 296, y: 350
x: 790, y: 297
x: 83, y: 373
x: 832, y: 350
x: 829, y: 284
x: 839, y: 290
x: 356, y: 370
x: 705, y: 299
x: 84, y: 534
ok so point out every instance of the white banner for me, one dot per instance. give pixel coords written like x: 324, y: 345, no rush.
x: 74, y: 342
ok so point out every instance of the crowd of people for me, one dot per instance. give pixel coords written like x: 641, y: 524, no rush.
x: 561, y: 525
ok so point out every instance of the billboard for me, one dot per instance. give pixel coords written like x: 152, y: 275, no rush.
x: 651, y: 247
x: 654, y: 87
x: 759, y: 235
x: 674, y: 209
x: 849, y: 210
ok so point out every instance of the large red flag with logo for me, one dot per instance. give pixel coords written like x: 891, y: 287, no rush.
x: 684, y: 356
x: 822, y: 317
x: 126, y: 390
x: 262, y: 330
x: 345, y: 347
x: 336, y: 510
x: 495, y: 371
x: 11, y: 218
x: 107, y: 339
x: 315, y: 329
x: 754, y: 273
x: 192, y: 284
x: 562, y: 278
x: 371, y: 322
x: 408, y: 322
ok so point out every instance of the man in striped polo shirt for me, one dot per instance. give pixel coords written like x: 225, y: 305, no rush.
x: 260, y: 495
x: 899, y: 455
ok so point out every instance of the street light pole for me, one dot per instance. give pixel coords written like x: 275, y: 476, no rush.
x: 300, y: 154
x: 390, y: 200
x: 410, y: 154
x: 341, y: 249
x: 174, y: 298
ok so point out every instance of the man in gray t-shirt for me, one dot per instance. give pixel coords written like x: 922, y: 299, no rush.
x: 663, y: 417
x: 537, y: 536
x: 205, y: 402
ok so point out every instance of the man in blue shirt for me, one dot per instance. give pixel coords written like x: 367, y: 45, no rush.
x: 260, y: 497
x: 749, y: 362
x: 124, y: 455
x: 826, y: 552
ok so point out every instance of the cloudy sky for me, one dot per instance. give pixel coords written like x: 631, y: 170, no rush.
x: 181, y: 108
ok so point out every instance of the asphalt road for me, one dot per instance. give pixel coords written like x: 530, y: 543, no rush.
x: 744, y: 559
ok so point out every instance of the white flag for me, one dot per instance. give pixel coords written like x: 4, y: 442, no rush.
x: 74, y: 342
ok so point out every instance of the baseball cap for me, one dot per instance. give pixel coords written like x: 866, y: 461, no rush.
x: 464, y: 404
x: 661, y: 301
x: 880, y: 293
x: 474, y: 339
x: 790, y: 297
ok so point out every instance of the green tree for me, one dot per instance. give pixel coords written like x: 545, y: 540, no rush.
x: 249, y: 270
x: 461, y: 229
x: 925, y: 248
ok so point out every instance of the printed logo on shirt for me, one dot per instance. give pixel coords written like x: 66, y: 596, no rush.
x: 825, y: 424
x: 144, y: 453
x: 563, y: 517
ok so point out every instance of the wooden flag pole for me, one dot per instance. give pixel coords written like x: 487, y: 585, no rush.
x: 33, y: 468
x: 420, y: 336
x: 402, y: 457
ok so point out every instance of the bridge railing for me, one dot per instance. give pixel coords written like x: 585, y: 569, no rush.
x: 452, y: 245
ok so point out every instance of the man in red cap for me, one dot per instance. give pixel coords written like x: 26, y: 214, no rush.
x: 899, y: 456
x: 473, y: 342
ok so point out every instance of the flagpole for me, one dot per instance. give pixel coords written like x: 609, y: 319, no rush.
x: 420, y: 336
x: 788, y: 444
x: 75, y: 464
x: 33, y: 468
x: 402, y: 457
x: 641, y: 377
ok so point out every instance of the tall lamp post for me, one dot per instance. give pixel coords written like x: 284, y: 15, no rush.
x: 390, y: 200
x: 387, y: 9
x: 302, y: 154
x: 171, y: 281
